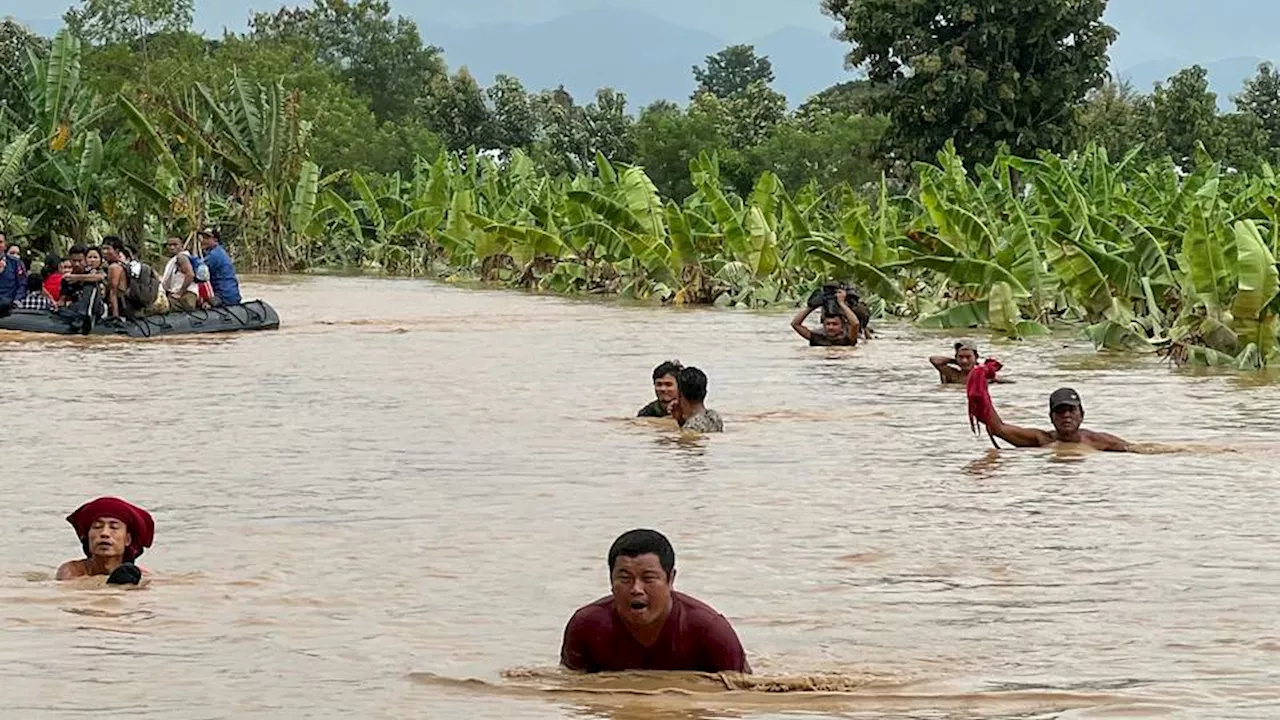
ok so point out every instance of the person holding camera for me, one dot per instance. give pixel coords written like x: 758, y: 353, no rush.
x: 840, y: 325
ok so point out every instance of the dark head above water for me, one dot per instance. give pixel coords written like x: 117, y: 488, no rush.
x: 1066, y: 411
x: 642, y: 568
x: 966, y: 355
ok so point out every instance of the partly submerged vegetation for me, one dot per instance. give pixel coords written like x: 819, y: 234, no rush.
x: 1138, y: 253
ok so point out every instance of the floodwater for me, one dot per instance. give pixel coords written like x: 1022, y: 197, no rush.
x: 390, y: 507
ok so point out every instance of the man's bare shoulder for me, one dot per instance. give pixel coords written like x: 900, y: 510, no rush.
x: 1105, y: 441
x: 70, y: 569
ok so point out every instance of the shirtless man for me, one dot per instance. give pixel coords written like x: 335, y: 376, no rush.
x: 1066, y: 412
x: 955, y: 370
x: 113, y: 534
x: 644, y: 624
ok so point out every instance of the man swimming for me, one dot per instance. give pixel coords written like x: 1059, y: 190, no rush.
x: 664, y: 389
x: 955, y: 370
x: 644, y: 624
x: 1066, y: 412
x: 113, y: 534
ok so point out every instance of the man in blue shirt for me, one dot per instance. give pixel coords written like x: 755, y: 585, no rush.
x: 222, y: 272
x: 13, y: 276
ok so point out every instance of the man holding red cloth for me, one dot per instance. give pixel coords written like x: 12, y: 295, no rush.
x: 1066, y: 412
x: 644, y: 624
x: 113, y: 533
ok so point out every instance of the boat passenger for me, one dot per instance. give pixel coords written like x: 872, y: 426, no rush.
x: 179, y: 278
x: 644, y: 624
x: 689, y: 409
x: 113, y: 534
x: 36, y: 297
x: 13, y: 275
x: 837, y: 329
x: 133, y: 289
x: 664, y: 389
x: 1066, y: 412
x: 86, y: 274
x: 55, y: 268
x: 955, y: 370
x: 222, y: 271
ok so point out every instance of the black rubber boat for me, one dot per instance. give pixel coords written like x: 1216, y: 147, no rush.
x: 253, y: 315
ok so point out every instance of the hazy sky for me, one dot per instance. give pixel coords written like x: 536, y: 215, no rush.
x: 1190, y: 30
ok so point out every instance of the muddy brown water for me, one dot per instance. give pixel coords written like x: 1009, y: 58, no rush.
x: 390, y: 507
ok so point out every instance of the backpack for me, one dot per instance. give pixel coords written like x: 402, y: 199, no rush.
x: 144, y: 287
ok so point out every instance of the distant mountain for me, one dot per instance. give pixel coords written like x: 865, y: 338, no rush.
x: 1194, y: 31
x: 1226, y: 77
x: 647, y: 58
x: 805, y: 62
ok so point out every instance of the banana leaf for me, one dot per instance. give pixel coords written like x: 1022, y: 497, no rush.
x: 1206, y: 261
x: 866, y: 276
x: 304, y: 197
x: 1080, y: 276
x: 971, y: 272
x: 1002, y: 311
x: 12, y: 159
x: 967, y: 315
x: 1257, y: 284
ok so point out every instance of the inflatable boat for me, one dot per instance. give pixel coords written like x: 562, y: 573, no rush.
x: 253, y: 315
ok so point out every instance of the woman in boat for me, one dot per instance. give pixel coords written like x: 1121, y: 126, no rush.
x: 113, y: 534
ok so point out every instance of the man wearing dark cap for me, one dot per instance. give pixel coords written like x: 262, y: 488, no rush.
x: 113, y: 534
x: 1066, y: 412
x: 222, y: 272
x: 644, y: 624
x: 955, y: 370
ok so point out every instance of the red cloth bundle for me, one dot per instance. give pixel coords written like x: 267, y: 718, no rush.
x: 142, y: 529
x: 980, y: 407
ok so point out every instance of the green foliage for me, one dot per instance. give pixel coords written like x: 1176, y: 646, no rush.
x: 126, y: 21
x: 731, y: 71
x: 983, y: 75
x: 1261, y: 99
x: 383, y: 58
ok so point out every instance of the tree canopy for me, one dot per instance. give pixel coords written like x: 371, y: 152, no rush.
x: 983, y: 75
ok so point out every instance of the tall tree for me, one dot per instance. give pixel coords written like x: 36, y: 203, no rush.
x: 609, y: 126
x: 455, y: 109
x: 106, y: 22
x: 981, y: 73
x: 1183, y: 112
x: 1261, y: 98
x: 515, y: 125
x: 667, y: 139
x: 15, y: 43
x: 732, y: 70
x: 745, y: 119
x: 384, y: 58
x: 1117, y: 117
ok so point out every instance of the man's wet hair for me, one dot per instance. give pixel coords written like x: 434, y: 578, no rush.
x: 113, y: 241
x: 670, y: 367
x: 693, y: 384
x: 78, y: 250
x: 644, y: 542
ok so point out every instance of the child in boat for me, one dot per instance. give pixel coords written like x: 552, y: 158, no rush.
x: 36, y: 297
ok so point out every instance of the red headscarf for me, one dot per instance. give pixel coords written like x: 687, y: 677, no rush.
x: 980, y: 406
x: 142, y: 529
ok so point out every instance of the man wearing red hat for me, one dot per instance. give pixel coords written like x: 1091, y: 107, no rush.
x: 113, y: 533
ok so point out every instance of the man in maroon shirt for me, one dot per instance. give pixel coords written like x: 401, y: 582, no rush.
x: 644, y: 624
